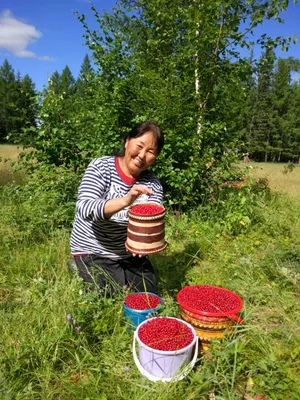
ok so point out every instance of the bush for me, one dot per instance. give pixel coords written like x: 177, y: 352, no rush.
x: 45, y: 201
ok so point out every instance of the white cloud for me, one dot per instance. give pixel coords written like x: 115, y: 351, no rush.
x: 295, y: 76
x: 46, y: 58
x: 16, y: 36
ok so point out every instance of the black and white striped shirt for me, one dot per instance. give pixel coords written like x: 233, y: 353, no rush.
x: 93, y: 233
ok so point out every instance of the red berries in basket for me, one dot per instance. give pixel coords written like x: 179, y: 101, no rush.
x: 209, y: 299
x: 142, y: 301
x: 146, y: 209
x: 167, y: 334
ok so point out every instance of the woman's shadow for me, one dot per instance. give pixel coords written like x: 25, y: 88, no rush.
x: 171, y: 269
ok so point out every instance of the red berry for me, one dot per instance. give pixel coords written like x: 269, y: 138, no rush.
x: 142, y: 301
x: 210, y: 299
x: 146, y: 209
x: 166, y: 334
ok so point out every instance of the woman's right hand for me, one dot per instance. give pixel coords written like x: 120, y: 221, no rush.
x: 135, y: 192
x: 114, y: 205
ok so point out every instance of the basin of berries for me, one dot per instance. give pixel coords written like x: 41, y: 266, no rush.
x: 165, y: 348
x: 210, y: 309
x: 140, y: 306
x: 166, y: 334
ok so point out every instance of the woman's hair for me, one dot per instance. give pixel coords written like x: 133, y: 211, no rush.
x: 144, y: 127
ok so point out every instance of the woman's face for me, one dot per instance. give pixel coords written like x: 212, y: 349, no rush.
x: 140, y: 154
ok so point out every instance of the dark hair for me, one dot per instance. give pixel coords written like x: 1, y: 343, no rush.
x: 144, y: 127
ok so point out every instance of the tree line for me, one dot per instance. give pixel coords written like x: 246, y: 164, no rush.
x: 18, y: 108
x: 179, y: 64
x: 20, y: 103
x: 271, y: 120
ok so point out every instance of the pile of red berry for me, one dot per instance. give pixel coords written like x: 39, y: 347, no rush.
x: 208, y: 298
x: 146, y: 209
x: 167, y: 334
x: 142, y: 301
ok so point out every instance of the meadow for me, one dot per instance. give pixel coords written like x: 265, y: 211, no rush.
x: 9, y: 152
x: 280, y: 178
x: 43, y: 356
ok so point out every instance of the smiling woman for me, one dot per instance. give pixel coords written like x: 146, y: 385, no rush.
x: 140, y: 154
x: 109, y: 186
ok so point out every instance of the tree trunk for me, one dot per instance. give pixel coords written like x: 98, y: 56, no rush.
x: 197, y: 86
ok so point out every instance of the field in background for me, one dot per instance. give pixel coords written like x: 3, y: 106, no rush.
x: 9, y: 151
x: 279, y: 177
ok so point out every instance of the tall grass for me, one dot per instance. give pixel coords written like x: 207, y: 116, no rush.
x: 8, y: 155
x: 281, y: 178
x: 43, y: 356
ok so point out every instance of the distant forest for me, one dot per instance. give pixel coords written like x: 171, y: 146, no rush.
x: 20, y: 102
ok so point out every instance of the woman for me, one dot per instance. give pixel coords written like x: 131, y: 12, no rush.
x: 109, y: 186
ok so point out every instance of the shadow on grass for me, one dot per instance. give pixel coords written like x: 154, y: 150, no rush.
x: 171, y: 269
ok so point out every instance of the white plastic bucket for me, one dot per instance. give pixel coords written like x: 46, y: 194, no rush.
x: 165, y: 366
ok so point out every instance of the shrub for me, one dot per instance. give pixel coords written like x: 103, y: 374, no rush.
x: 45, y: 201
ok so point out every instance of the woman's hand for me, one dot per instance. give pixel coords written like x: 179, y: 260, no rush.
x: 138, y: 255
x: 113, y: 206
x: 135, y: 192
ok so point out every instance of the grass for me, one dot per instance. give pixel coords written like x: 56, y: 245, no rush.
x: 279, y: 177
x: 10, y: 153
x: 42, y: 356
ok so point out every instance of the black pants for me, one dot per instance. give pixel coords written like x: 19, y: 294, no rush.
x: 113, y: 275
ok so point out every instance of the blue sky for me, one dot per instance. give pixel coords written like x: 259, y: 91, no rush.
x: 40, y: 37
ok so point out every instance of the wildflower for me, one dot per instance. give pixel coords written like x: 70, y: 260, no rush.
x: 69, y: 318
x: 77, y: 329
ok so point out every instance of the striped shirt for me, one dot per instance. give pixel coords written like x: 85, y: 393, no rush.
x: 93, y: 233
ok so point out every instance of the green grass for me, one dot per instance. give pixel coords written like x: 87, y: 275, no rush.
x: 43, y: 357
x: 8, y: 155
x: 280, y: 178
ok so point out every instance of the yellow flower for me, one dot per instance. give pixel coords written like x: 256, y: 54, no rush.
x: 210, y: 163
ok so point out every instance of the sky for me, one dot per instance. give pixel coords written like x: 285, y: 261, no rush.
x: 41, y: 37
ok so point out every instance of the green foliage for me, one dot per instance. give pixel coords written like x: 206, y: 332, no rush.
x: 140, y: 51
x: 179, y: 65
x: 288, y: 168
x: 47, y: 199
x: 73, y: 129
x: 86, y: 71
x: 264, y: 119
x: 171, y: 63
x: 42, y: 355
x: 272, y: 126
x: 18, y: 106
x: 67, y: 81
